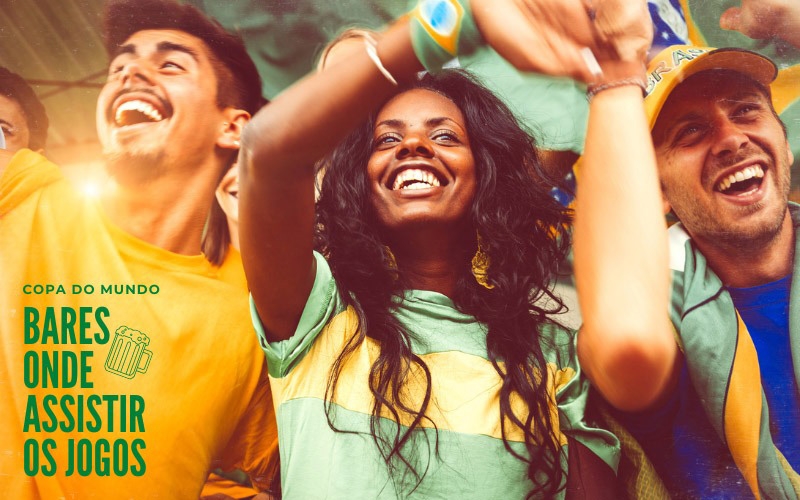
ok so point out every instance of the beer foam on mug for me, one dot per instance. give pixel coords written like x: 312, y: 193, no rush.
x: 135, y: 335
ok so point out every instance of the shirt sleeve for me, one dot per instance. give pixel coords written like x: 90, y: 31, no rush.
x: 322, y: 305
x: 572, y: 396
x: 253, y: 447
x: 26, y: 173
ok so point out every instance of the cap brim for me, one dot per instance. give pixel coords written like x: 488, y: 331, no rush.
x: 751, y: 64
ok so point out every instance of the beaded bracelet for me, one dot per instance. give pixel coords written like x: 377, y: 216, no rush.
x: 372, y: 51
x: 593, y: 90
x: 441, y: 30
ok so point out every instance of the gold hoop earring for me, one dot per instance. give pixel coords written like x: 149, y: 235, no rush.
x: 480, y: 266
x: 391, y: 261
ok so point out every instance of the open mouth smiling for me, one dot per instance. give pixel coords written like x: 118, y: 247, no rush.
x: 741, y: 182
x: 413, y: 177
x: 133, y: 112
x: 129, y: 111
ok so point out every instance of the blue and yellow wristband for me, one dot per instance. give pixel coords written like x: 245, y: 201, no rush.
x: 441, y: 30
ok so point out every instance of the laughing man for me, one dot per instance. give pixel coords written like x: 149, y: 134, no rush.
x: 116, y: 395
x: 716, y: 411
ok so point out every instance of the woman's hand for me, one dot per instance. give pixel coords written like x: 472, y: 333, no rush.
x: 545, y: 36
x: 551, y: 36
x: 624, y: 28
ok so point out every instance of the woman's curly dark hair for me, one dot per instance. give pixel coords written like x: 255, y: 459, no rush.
x: 521, y: 229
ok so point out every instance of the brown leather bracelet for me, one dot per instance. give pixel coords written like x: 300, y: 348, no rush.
x: 593, y: 90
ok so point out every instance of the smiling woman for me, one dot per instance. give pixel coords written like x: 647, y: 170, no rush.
x: 403, y: 204
x: 447, y: 167
x: 406, y: 317
x: 421, y: 166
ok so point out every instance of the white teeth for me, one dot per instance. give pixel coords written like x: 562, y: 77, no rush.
x: 142, y: 107
x: 742, y: 175
x: 415, y: 179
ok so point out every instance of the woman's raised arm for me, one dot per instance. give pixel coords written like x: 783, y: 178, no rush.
x: 288, y: 136
x: 280, y: 147
x: 626, y: 344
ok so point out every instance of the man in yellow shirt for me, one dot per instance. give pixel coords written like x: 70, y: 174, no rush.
x: 128, y: 367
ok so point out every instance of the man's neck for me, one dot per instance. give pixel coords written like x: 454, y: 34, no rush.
x: 753, y: 265
x: 169, y: 212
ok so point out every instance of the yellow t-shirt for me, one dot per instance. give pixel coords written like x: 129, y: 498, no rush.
x: 126, y: 371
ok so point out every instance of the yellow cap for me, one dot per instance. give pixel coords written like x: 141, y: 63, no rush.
x: 675, y: 64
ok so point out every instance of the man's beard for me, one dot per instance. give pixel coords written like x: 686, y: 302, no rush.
x: 757, y: 237
x: 701, y: 224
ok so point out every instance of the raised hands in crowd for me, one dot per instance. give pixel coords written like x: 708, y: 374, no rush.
x: 399, y: 241
x: 763, y: 19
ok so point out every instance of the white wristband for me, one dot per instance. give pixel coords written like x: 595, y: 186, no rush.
x: 372, y: 51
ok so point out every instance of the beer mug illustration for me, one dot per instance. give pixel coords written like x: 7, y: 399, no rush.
x: 128, y: 355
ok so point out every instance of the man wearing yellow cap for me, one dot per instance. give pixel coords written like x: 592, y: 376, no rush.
x: 711, y: 389
x: 765, y: 27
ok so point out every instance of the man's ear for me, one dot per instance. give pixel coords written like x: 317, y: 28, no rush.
x: 789, y: 152
x: 231, y: 134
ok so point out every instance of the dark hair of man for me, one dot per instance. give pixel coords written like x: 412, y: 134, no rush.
x: 16, y: 88
x: 238, y: 81
x: 520, y: 226
x: 217, y: 236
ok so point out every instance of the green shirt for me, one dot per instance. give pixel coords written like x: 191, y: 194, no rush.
x: 472, y: 461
